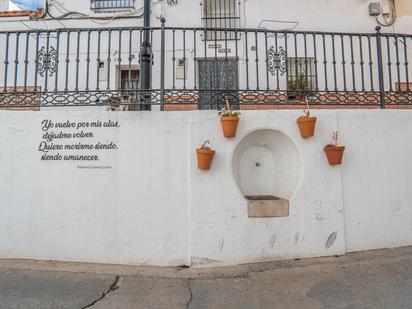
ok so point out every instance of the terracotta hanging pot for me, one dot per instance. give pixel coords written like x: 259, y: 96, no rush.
x: 306, y: 126
x: 229, y: 125
x: 205, y: 157
x: 229, y: 120
x: 334, y: 154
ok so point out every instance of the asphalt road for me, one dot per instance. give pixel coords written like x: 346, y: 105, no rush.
x: 375, y: 279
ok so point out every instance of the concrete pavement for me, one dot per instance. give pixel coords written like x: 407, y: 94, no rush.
x: 374, y: 279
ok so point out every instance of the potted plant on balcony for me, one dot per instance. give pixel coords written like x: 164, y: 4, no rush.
x: 306, y: 123
x: 298, y: 88
x: 229, y: 120
x: 334, y: 152
x: 204, y: 157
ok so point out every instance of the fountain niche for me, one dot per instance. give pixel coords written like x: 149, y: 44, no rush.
x: 266, y: 167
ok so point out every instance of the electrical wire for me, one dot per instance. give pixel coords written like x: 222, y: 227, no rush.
x: 393, y: 16
x: 67, y: 15
x: 74, y: 15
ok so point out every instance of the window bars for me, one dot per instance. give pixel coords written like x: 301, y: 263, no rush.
x: 104, y: 5
x: 301, y: 72
x: 220, y: 14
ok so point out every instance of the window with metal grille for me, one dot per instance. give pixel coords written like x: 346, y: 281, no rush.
x: 129, y: 80
x: 109, y: 5
x: 220, y: 14
x: 301, y: 74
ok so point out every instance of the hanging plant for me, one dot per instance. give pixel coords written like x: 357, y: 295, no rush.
x: 307, y: 123
x: 204, y: 156
x: 334, y: 152
x: 229, y: 120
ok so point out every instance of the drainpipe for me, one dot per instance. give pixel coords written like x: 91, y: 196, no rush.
x: 146, y: 61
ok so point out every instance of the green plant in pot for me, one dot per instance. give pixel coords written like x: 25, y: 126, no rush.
x: 333, y: 151
x: 229, y: 120
x: 298, y: 87
x: 307, y: 123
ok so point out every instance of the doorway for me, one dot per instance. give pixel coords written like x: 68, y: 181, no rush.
x: 218, y: 82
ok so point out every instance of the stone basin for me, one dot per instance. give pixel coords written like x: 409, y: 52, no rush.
x: 267, y: 206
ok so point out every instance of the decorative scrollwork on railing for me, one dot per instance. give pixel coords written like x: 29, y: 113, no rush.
x: 46, y: 61
x: 277, y: 61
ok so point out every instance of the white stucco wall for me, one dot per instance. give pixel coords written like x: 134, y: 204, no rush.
x: 134, y: 212
x: 154, y: 207
x: 221, y: 229
x: 4, y: 5
x: 377, y: 178
x: 313, y: 15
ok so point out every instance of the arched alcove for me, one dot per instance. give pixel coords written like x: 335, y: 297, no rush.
x: 266, y: 168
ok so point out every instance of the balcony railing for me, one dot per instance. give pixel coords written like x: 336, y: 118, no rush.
x: 90, y: 67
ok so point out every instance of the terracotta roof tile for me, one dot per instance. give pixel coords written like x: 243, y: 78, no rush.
x: 21, y: 13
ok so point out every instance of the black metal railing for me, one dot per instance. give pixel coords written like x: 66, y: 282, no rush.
x: 93, y: 67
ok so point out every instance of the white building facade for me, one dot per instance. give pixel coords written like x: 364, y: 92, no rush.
x: 250, y: 52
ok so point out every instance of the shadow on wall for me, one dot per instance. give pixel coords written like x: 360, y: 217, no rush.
x: 266, y: 168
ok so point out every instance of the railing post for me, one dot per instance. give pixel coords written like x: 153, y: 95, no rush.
x: 162, y: 64
x: 380, y: 66
x: 146, y: 62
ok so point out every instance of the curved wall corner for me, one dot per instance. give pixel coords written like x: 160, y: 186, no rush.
x: 267, y: 163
